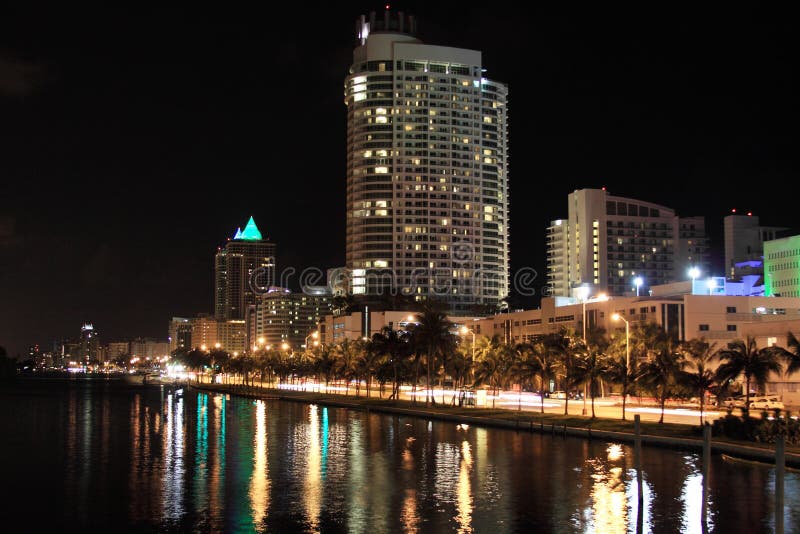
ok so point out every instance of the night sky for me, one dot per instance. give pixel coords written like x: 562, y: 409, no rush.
x: 134, y: 142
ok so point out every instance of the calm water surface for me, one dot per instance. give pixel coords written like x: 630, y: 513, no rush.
x: 105, y: 457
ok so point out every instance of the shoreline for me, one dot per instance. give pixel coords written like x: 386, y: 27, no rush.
x: 500, y: 418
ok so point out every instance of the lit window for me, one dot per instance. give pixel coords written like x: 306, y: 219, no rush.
x: 381, y: 170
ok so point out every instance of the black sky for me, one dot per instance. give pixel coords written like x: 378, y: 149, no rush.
x: 133, y: 142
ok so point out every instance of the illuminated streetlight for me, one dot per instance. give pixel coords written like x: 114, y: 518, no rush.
x: 638, y: 281
x: 284, y: 345
x: 712, y: 285
x: 203, y: 347
x: 464, y: 331
x: 217, y: 345
x: 315, y: 334
x: 694, y: 273
x: 261, y: 340
x: 618, y: 317
x: 584, y: 290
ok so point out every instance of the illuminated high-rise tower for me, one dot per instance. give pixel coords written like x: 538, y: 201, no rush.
x: 244, y: 264
x: 427, y: 169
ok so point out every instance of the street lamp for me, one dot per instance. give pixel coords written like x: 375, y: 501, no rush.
x: 464, y: 332
x: 638, y: 281
x: 712, y: 285
x: 217, y: 345
x: 618, y: 317
x: 694, y: 274
x: 599, y: 298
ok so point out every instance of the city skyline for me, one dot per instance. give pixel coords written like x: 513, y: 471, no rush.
x: 131, y: 148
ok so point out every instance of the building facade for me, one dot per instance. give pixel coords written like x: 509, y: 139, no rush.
x: 285, y: 317
x: 716, y: 318
x: 744, y: 244
x: 180, y: 334
x: 607, y: 242
x: 333, y: 329
x: 782, y: 267
x: 427, y: 169
x: 242, y: 267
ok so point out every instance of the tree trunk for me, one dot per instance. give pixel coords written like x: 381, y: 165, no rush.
x: 541, y: 392
x: 702, y: 394
x: 566, y: 402
x: 624, y: 401
x: 592, y: 394
x: 663, y: 403
x: 746, y: 409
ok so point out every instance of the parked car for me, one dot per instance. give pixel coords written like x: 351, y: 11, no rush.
x: 558, y: 395
x: 734, y: 402
x: 769, y: 402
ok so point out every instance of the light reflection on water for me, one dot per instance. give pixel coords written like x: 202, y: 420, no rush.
x: 163, y: 461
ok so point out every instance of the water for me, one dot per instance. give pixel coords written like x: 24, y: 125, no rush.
x: 102, y: 457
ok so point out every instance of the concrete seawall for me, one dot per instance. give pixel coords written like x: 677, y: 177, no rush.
x: 733, y: 449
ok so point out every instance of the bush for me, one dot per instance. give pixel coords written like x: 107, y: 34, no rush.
x: 762, y: 430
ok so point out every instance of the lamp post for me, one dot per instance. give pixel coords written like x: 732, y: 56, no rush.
x: 618, y: 317
x: 599, y: 298
x: 694, y: 274
x: 638, y: 281
x: 464, y: 332
x: 712, y: 285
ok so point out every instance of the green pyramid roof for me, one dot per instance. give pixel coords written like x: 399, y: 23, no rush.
x: 250, y: 232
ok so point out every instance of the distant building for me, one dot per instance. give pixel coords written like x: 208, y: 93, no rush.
x: 333, y: 329
x: 118, y: 349
x: 207, y: 332
x: 607, y: 242
x: 245, y: 264
x: 782, y: 267
x: 744, y: 244
x: 232, y: 336
x: 285, y: 317
x: 180, y: 334
x: 89, y: 345
x: 148, y: 349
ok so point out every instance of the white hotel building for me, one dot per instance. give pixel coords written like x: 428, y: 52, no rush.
x: 606, y: 242
x: 427, y: 169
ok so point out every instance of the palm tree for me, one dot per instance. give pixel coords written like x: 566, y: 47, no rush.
x: 661, y: 372
x: 394, y: 345
x: 566, y: 349
x: 346, y: 354
x: 793, y: 354
x: 744, y: 357
x: 697, y: 374
x: 325, y: 363
x: 535, y: 362
x: 489, y: 353
x: 432, y: 335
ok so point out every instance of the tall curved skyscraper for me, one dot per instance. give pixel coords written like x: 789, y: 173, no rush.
x: 427, y: 169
